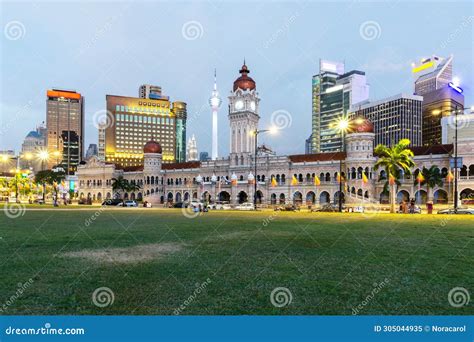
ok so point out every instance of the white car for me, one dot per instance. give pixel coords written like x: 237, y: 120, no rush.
x: 130, y: 203
x: 245, y: 206
x: 222, y: 206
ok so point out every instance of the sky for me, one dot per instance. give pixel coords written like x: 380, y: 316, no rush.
x: 104, y: 47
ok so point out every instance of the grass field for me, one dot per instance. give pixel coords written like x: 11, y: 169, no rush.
x: 228, y: 263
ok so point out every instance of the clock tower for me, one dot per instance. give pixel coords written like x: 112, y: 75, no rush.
x: 243, y: 118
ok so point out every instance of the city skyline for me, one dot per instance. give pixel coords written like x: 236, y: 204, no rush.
x: 107, y: 58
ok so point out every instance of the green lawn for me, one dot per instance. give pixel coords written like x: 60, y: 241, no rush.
x: 154, y: 260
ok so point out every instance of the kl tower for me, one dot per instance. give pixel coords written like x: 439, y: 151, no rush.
x: 215, y: 102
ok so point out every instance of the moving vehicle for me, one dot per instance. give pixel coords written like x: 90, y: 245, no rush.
x: 129, y: 203
x: 112, y: 202
x: 245, y: 206
x: 460, y: 211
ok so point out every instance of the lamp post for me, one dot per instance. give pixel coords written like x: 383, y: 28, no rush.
x: 341, y: 125
x: 43, y: 156
x: 256, y: 133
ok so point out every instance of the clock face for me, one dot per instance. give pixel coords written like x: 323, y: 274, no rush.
x: 252, y: 105
x: 239, y: 105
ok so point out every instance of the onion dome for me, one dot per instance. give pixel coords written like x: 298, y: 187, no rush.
x: 233, y: 177
x: 361, y: 125
x: 244, y: 82
x: 152, y: 147
x: 250, y: 177
x: 199, y: 179
x: 214, y: 178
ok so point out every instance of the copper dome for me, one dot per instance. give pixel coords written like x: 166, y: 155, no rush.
x: 361, y: 125
x: 152, y: 147
x: 244, y: 82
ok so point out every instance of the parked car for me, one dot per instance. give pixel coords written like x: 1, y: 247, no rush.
x: 460, y: 211
x: 222, y: 205
x: 245, y: 206
x: 129, y: 203
x: 329, y: 208
x: 112, y: 202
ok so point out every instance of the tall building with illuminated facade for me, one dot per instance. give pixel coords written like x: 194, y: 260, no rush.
x: 180, y: 112
x: 394, y: 118
x: 432, y: 73
x: 138, y: 120
x: 433, y: 77
x: 333, y: 93
x: 438, y: 104
x: 65, y: 128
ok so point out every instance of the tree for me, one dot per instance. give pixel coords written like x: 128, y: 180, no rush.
x: 122, y: 184
x: 119, y: 184
x: 51, y: 178
x: 393, y: 160
x: 430, y: 177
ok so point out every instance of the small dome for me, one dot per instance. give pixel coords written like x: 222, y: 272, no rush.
x: 250, y: 177
x: 152, y: 147
x: 244, y: 82
x: 361, y: 125
x: 199, y: 179
x: 233, y: 177
x: 214, y: 178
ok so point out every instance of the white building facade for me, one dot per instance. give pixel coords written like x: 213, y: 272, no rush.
x: 306, y: 179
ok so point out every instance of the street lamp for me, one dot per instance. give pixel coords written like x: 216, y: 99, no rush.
x: 456, y: 162
x: 341, y: 125
x: 43, y: 155
x: 272, y: 130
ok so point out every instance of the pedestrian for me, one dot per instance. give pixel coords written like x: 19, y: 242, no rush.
x: 412, y: 206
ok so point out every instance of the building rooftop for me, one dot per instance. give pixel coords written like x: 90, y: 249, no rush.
x: 301, y: 158
x: 184, y: 165
x: 368, y: 104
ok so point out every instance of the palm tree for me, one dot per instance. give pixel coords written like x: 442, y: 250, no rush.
x: 393, y: 160
x: 430, y: 177
x: 120, y: 184
x: 132, y: 187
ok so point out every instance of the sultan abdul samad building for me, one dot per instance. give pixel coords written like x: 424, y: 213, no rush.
x: 301, y: 179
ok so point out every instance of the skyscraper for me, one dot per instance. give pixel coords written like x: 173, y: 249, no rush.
x: 180, y: 112
x: 92, y: 150
x: 432, y: 73
x: 438, y: 104
x: 34, y: 142
x: 394, y: 118
x: 148, y: 91
x: 191, y: 149
x: 215, y: 101
x: 101, y: 140
x: 138, y: 120
x: 432, y: 78
x: 334, y: 92
x: 65, y: 127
